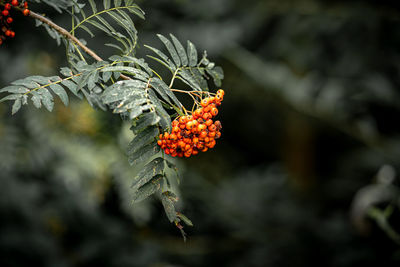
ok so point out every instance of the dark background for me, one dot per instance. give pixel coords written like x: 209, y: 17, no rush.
x: 306, y: 166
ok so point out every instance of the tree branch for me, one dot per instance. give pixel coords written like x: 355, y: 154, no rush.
x: 70, y: 37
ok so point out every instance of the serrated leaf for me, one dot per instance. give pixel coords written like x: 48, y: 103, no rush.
x: 36, y: 99
x: 217, y: 74
x: 145, y: 121
x: 165, y: 119
x: 143, y: 138
x: 149, y: 171
x: 106, y: 76
x: 47, y: 99
x: 58, y: 90
x: 189, y: 80
x: 169, y: 208
x: 123, y: 90
x: 148, y: 189
x: 139, y: 74
x: 192, y: 54
x: 27, y: 82
x: 185, y: 219
x: 16, y: 106
x: 10, y: 97
x: 93, y: 6
x: 180, y: 49
x: 106, y: 4
x: 163, y: 58
x: 14, y: 89
x: 87, y: 30
x: 164, y: 91
x: 144, y: 153
x: 71, y: 86
x: 171, y: 49
x: 135, y: 113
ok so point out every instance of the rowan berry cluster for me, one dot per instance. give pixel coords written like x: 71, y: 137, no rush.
x: 193, y: 133
x: 6, y: 19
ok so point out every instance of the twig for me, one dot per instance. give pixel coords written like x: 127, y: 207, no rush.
x: 70, y: 37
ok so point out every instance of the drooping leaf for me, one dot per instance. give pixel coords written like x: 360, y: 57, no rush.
x: 142, y: 139
x: 149, y: 171
x: 143, y: 154
x: 148, y: 189
x: 169, y: 207
x: 144, y: 121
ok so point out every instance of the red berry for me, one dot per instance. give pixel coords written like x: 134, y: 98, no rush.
x: 7, y: 6
x: 14, y: 2
x: 8, y: 33
x: 26, y: 12
x: 9, y: 20
x: 12, y: 34
x: 5, y: 12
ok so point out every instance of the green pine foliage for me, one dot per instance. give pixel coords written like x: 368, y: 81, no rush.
x: 123, y: 84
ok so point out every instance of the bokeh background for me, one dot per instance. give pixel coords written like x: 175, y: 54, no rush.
x: 305, y: 174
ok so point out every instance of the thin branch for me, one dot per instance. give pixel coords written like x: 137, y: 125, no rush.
x: 71, y: 38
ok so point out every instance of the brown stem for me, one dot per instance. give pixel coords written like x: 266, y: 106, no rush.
x: 70, y: 37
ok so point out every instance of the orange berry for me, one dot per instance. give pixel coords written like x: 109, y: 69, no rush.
x: 201, y: 127
x: 209, y: 122
x: 173, y: 137
x: 203, y: 134
x: 159, y: 142
x: 26, y: 12
x: 200, y: 146
x: 204, y: 102
x: 207, y: 116
x: 182, y: 120
x: 221, y: 92
x: 199, y: 112
x: 212, y: 128
x: 189, y: 125
x: 217, y: 135
x: 211, y: 144
x: 214, y: 112
x: 218, y: 124
x: 212, y: 134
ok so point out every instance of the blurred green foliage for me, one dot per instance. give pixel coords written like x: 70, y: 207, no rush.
x: 305, y: 172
